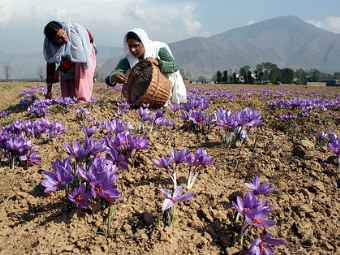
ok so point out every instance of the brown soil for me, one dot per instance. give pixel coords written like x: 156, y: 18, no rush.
x: 306, y: 202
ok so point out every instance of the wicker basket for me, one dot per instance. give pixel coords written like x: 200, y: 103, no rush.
x: 146, y: 85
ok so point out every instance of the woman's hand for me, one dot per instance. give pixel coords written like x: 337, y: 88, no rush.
x: 153, y: 61
x: 119, y: 78
x: 56, y: 76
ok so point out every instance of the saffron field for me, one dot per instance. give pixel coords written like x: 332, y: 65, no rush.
x: 239, y: 169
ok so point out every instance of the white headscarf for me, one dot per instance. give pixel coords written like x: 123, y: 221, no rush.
x: 77, y: 48
x: 179, y: 93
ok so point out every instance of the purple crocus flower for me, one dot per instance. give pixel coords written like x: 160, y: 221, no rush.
x: 196, y: 116
x: 249, y: 118
x: 257, y: 217
x: 258, y: 188
x: 170, y: 200
x: 321, y: 136
x: 163, y: 163
x: 56, y: 180
x: 334, y: 146
x: 102, y: 187
x: 117, y: 159
x: 331, y: 134
x: 174, y: 107
x: 89, y: 131
x: 140, y: 143
x: 178, y: 156
x: 250, y: 202
x: 79, y: 196
x: 31, y: 158
x: 263, y: 245
x: 200, y: 157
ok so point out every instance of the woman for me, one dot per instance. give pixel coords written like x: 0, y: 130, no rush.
x: 71, y: 59
x: 138, y: 46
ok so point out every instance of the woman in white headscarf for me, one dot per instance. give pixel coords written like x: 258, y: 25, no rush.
x: 138, y: 46
x: 70, y: 54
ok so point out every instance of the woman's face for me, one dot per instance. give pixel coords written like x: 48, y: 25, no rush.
x: 136, y: 48
x: 61, y: 36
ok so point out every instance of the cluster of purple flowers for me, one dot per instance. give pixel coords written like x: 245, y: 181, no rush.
x: 238, y: 124
x: 123, y: 107
x: 196, y: 163
x: 4, y: 113
x: 17, y: 147
x: 65, y: 102
x: 154, y: 118
x: 193, y: 112
x: 15, y: 143
x: 96, y: 164
x: 36, y: 129
x: 82, y: 112
x: 40, y: 108
x: 333, y: 141
x: 255, y: 214
x: 306, y: 104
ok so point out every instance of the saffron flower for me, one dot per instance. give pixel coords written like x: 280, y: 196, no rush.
x: 79, y: 196
x: 250, y: 202
x: 258, y: 188
x: 264, y: 245
x: 334, y: 146
x: 170, y: 200
x: 258, y: 218
x: 56, y: 180
x: 163, y: 163
x: 31, y: 158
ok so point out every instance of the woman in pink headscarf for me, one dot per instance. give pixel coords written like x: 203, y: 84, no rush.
x: 70, y: 54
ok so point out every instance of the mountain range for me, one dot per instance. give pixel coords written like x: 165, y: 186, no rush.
x: 285, y: 41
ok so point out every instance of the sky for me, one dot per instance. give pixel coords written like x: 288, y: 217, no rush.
x: 22, y: 21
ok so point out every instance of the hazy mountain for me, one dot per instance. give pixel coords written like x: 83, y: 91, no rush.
x: 285, y: 41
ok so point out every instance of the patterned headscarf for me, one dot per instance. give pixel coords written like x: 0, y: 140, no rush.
x: 77, y: 48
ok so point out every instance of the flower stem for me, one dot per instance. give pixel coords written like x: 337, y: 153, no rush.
x: 112, y: 210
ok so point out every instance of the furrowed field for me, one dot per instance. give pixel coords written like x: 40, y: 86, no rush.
x: 279, y: 142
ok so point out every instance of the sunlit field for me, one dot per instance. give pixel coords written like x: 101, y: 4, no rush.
x: 238, y: 168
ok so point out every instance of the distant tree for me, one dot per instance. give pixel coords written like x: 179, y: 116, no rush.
x: 314, y: 75
x: 244, y: 73
x: 337, y: 75
x: 259, y: 72
x: 185, y: 74
x: 235, y: 80
x: 274, y: 74
x: 301, y: 77
x: 250, y: 78
x: 7, y: 70
x: 201, y: 79
x: 287, y: 75
x: 225, y: 76
x: 214, y: 77
x: 219, y: 76
x: 41, y: 72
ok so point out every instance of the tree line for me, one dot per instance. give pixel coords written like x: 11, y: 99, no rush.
x: 268, y: 72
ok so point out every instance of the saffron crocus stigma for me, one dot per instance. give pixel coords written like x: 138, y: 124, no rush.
x: 79, y: 196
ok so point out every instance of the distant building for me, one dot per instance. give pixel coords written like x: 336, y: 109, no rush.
x: 330, y: 81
